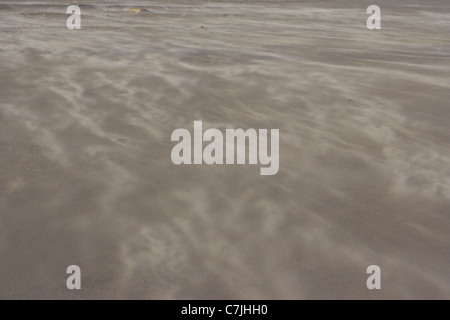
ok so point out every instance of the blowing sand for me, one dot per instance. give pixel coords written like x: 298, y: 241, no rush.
x: 86, y: 176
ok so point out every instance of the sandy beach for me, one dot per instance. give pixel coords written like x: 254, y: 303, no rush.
x: 86, y: 176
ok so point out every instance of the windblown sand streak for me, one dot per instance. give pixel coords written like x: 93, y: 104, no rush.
x: 85, y: 170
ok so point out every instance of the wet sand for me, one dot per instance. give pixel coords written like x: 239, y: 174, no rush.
x: 86, y: 176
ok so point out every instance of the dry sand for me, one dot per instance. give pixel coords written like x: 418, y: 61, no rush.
x: 86, y: 176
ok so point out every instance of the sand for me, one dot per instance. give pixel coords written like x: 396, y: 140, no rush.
x: 86, y: 176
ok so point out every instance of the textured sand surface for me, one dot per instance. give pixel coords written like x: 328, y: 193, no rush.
x: 86, y: 176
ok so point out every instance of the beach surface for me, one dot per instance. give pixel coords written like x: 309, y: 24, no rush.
x: 86, y: 176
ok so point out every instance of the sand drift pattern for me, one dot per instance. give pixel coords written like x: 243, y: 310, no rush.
x: 86, y: 176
